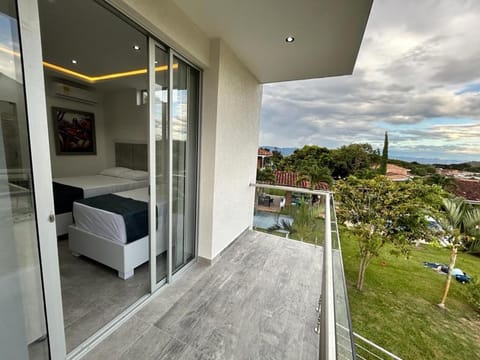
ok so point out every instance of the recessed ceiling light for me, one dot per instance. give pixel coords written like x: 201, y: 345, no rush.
x: 74, y: 61
x: 156, y: 62
x: 136, y: 47
x: 289, y: 39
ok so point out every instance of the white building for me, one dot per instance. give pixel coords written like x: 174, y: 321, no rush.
x: 171, y: 89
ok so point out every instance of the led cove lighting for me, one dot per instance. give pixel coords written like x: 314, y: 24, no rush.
x: 93, y: 79
x: 290, y: 39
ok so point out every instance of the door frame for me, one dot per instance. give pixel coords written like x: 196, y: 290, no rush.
x: 38, y: 135
x: 37, y: 122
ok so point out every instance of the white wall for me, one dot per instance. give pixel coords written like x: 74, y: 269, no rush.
x: 76, y: 165
x: 230, y: 129
x: 124, y: 120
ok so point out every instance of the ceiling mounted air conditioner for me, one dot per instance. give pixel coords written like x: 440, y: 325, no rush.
x: 73, y: 93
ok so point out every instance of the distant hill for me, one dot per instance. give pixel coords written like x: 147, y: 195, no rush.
x: 285, y: 151
x: 473, y: 166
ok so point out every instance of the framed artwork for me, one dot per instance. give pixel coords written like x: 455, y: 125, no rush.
x: 74, y: 132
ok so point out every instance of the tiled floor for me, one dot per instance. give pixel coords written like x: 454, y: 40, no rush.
x: 93, y: 294
x: 256, y: 302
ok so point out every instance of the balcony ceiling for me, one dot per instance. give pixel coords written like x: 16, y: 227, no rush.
x: 327, y: 34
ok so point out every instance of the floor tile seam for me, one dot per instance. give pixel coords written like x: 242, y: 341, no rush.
x: 187, y: 345
x: 137, y: 338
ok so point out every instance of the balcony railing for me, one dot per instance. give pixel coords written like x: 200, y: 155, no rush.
x: 286, y: 211
x: 277, y: 208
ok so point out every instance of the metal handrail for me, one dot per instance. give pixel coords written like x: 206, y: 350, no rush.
x: 375, y: 346
x: 328, y: 345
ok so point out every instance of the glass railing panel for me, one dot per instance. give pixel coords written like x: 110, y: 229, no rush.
x: 343, y: 328
x: 290, y: 213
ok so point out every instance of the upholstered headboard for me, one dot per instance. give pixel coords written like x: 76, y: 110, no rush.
x: 133, y: 156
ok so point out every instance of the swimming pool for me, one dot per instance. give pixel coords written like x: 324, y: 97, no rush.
x: 265, y: 220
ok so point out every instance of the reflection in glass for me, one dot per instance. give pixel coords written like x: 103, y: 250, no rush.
x: 161, y: 158
x: 184, y: 133
x: 23, y: 333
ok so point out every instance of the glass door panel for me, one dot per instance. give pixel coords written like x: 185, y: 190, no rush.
x: 23, y: 333
x: 184, y: 135
x: 162, y: 155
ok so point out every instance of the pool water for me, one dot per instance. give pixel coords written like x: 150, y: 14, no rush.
x: 265, y: 220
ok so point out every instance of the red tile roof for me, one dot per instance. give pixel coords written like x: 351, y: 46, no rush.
x: 468, y: 189
x: 287, y: 178
x: 263, y: 152
x: 397, y: 170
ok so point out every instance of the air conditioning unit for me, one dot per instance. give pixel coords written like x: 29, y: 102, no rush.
x: 73, y: 93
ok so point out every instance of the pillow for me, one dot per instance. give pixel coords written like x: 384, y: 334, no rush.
x: 135, y: 175
x: 115, y: 171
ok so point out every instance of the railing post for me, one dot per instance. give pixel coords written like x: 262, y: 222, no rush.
x: 328, y: 347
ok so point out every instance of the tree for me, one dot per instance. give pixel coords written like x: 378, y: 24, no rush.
x: 265, y: 175
x: 380, y: 211
x: 315, y: 174
x: 461, y: 221
x: 383, y: 164
x: 351, y: 159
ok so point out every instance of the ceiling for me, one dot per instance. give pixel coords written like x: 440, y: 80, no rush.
x: 99, y: 41
x: 327, y: 34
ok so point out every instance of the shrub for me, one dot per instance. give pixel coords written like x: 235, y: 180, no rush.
x: 473, y: 294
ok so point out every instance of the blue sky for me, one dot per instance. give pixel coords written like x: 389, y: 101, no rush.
x: 417, y: 76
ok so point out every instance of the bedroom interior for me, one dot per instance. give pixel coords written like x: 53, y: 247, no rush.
x: 99, y: 136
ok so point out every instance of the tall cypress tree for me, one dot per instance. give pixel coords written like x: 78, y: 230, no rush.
x: 383, y: 164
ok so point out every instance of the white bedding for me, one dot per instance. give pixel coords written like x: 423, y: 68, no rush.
x: 95, y: 185
x: 110, y: 225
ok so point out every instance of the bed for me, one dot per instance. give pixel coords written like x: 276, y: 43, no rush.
x: 102, y: 235
x: 129, y: 173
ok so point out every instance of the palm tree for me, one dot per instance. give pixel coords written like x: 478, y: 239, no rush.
x: 462, y: 221
x: 303, y: 225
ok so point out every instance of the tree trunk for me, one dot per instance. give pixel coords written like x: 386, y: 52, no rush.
x: 453, y: 258
x: 361, y: 272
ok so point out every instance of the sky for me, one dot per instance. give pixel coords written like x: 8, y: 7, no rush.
x: 417, y: 76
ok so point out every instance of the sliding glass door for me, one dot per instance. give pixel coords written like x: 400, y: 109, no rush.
x: 161, y: 182
x: 184, y: 120
x: 174, y: 131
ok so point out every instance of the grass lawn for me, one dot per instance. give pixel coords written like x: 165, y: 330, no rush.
x: 397, y: 308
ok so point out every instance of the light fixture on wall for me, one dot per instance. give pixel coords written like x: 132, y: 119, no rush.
x: 289, y: 39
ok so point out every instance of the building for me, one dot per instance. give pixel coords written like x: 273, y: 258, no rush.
x: 398, y: 173
x: 469, y: 189
x: 172, y: 90
x: 263, y: 158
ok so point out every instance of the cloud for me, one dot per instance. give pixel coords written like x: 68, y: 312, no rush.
x: 418, y: 61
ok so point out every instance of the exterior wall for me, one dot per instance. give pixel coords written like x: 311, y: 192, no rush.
x: 236, y: 142
x: 208, y: 132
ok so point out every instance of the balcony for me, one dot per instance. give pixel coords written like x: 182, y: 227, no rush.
x: 257, y: 301
x: 264, y: 297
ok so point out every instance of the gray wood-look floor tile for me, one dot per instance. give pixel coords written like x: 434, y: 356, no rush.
x: 119, y: 341
x: 257, y: 301
x: 254, y: 301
